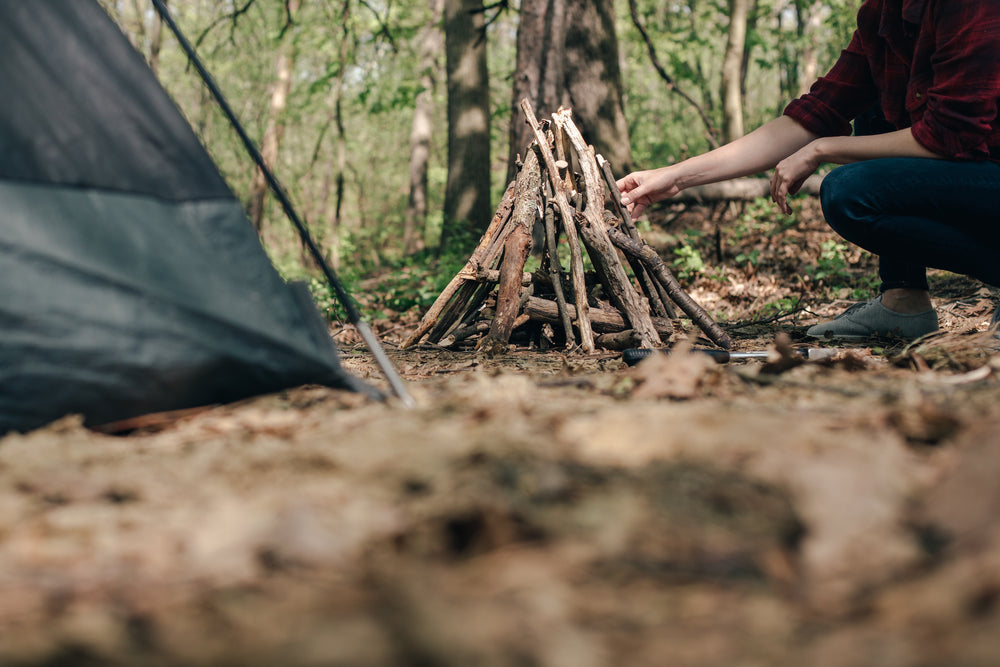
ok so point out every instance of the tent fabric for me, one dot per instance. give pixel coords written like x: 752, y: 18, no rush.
x: 132, y: 280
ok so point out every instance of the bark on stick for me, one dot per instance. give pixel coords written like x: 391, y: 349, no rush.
x: 566, y: 213
x: 602, y: 252
x: 469, y: 272
x: 527, y: 198
x: 656, y: 266
x: 602, y: 320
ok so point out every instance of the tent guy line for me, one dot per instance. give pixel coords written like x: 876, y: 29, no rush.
x: 353, y: 315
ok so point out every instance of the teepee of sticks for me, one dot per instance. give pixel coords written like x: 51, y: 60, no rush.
x: 492, y: 295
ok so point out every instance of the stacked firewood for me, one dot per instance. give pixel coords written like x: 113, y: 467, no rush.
x: 630, y: 299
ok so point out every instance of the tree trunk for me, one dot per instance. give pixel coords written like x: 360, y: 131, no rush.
x: 271, y: 144
x: 538, y: 74
x: 156, y: 42
x: 567, y: 55
x: 753, y: 14
x: 732, y: 66
x: 338, y: 119
x: 810, y: 25
x: 420, y: 134
x: 593, y: 80
x: 739, y: 189
x: 467, y: 194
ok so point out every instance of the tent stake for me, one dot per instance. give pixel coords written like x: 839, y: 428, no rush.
x: 353, y: 316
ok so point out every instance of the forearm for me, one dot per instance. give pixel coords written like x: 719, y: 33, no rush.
x: 753, y: 153
x: 844, y: 150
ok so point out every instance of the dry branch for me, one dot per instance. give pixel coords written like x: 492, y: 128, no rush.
x: 602, y: 320
x: 656, y: 266
x: 555, y: 275
x: 469, y: 273
x: 602, y: 253
x: 658, y: 301
x: 527, y: 201
x: 566, y: 212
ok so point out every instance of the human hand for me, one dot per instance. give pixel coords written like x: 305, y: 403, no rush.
x: 642, y: 188
x: 792, y: 172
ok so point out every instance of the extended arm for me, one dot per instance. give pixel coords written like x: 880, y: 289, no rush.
x: 758, y: 151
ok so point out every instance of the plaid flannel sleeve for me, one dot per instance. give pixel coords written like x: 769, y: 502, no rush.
x: 837, y: 98
x: 963, y: 88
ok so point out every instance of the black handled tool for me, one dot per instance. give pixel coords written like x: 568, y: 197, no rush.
x: 632, y: 356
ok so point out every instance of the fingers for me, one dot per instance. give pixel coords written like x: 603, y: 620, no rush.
x: 782, y: 188
x: 642, y: 188
x: 632, y: 190
x: 779, y: 193
x: 630, y: 187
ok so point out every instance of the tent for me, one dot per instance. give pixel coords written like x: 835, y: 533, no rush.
x: 132, y: 281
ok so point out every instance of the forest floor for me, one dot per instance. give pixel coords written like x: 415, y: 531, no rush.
x: 543, y: 507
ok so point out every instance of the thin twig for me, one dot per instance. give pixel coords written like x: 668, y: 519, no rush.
x: 735, y: 326
x: 233, y: 16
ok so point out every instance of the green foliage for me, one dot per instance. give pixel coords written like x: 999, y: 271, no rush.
x: 380, y: 77
x: 758, y: 217
x: 688, y: 42
x: 779, y: 306
x: 832, y: 264
x: 398, y: 286
x: 326, y: 299
x: 687, y: 262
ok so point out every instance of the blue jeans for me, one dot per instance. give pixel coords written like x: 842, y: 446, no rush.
x: 916, y: 213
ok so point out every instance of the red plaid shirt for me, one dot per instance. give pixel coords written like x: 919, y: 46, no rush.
x: 933, y: 64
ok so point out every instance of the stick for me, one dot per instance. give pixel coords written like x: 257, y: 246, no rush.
x: 656, y: 266
x: 660, y: 304
x: 566, y: 213
x: 493, y: 276
x: 551, y: 246
x: 469, y: 271
x: 623, y: 340
x: 602, y: 252
x: 462, y: 333
x: 602, y: 320
x: 527, y: 193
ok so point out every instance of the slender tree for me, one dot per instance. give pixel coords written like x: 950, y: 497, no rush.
x: 809, y: 15
x: 156, y: 41
x: 732, y: 71
x: 271, y: 144
x: 431, y: 46
x: 703, y: 109
x: 467, y: 194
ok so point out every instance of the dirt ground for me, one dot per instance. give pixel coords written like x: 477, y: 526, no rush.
x: 537, y: 508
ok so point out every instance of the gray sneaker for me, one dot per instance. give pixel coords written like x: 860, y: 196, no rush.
x: 871, y: 318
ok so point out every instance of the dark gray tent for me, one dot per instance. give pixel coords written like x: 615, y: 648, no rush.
x: 132, y: 280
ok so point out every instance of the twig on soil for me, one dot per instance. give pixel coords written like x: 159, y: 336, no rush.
x: 740, y: 324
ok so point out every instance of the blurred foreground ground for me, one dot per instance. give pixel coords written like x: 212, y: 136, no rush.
x: 538, y: 508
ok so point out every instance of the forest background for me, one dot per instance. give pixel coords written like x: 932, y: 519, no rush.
x: 395, y: 125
